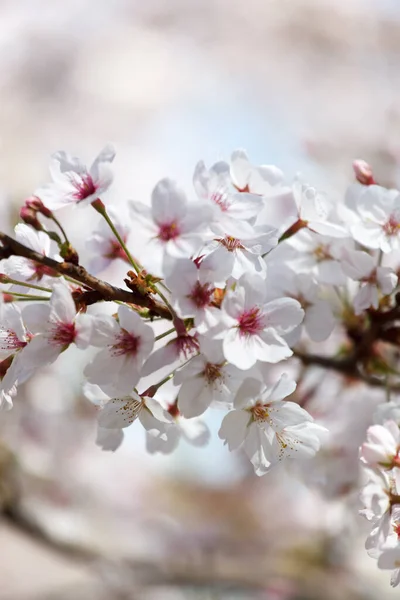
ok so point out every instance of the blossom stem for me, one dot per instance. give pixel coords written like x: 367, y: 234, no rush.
x: 23, y: 297
x: 101, y: 209
x: 6, y: 279
x: 153, y: 388
x: 162, y: 335
x: 61, y: 228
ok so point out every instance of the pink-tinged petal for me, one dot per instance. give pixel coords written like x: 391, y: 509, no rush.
x: 106, y: 155
x: 257, y: 449
x: 62, y: 306
x: 283, y: 314
x: 234, y: 428
x: 268, y: 346
x: 195, y: 397
x: 168, y: 202
x: 195, y: 431
x: 234, y: 303
x: 366, y: 296
x: 284, y: 414
x: 120, y: 412
x: 255, y: 290
x: 283, y: 388
x: 61, y: 162
x: 130, y: 320
x: 319, y: 321
x: 109, y: 439
x: 126, y: 376
x: 197, y: 216
x: 83, y: 329
x: 36, y: 317
x: 238, y: 349
x: 357, y: 264
x: 249, y: 391
x: 387, y: 279
x: 390, y: 558
x: 39, y: 352
x: 157, y: 410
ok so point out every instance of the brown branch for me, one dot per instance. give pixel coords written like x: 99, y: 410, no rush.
x: 98, y: 289
x: 348, y: 367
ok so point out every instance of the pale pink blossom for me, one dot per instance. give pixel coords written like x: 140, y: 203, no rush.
x: 75, y: 184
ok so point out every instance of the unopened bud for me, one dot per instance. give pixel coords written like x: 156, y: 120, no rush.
x: 7, y: 298
x: 363, y: 172
x: 4, y: 278
x: 29, y: 216
x: 99, y: 206
x: 37, y: 205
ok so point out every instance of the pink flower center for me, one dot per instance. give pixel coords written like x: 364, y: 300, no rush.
x: 251, y: 322
x: 392, y: 225
x: 396, y: 528
x: 114, y: 250
x: 231, y: 244
x: 126, y: 343
x: 63, y: 334
x: 11, y: 341
x: 84, y: 186
x: 168, y: 231
x: 201, y: 295
x: 186, y: 346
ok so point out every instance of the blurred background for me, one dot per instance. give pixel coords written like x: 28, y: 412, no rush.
x: 308, y: 85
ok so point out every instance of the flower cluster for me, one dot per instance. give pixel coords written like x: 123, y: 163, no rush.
x: 381, y: 495
x: 222, y: 287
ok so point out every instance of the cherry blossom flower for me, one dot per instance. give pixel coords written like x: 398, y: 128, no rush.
x: 118, y: 413
x: 193, y: 283
x: 244, y: 255
x: 376, y: 216
x: 73, y: 183
x: 55, y: 325
x: 26, y: 270
x: 126, y: 344
x: 315, y: 211
x: 232, y: 211
x: 382, y: 446
x: 172, y: 226
x: 265, y: 180
x: 360, y: 266
x: 251, y: 327
x: 319, y: 319
x: 268, y: 428
x: 206, y: 379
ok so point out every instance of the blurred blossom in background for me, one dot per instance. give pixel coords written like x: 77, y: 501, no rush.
x: 307, y: 85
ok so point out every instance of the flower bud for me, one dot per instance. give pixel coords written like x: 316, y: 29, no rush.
x: 37, y: 205
x: 363, y: 172
x: 29, y: 216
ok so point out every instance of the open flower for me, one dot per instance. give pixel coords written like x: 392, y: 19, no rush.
x: 362, y: 267
x: 268, y: 428
x: 126, y: 344
x: 26, y: 270
x: 173, y: 227
x: 251, y: 328
x: 73, y: 183
x: 55, y: 325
